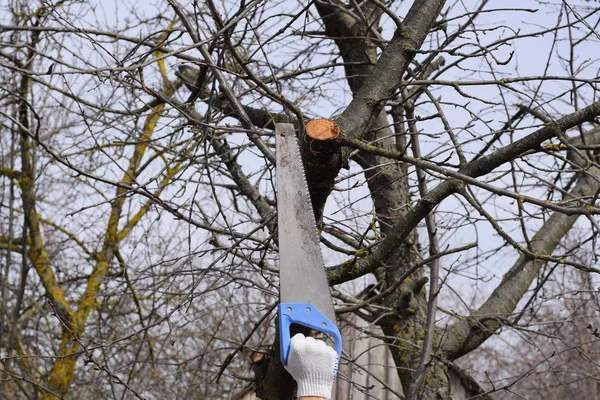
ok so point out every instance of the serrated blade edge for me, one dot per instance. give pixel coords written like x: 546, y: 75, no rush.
x: 302, y: 269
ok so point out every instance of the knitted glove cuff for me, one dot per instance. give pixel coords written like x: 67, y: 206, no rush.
x: 314, y: 385
x: 314, y: 389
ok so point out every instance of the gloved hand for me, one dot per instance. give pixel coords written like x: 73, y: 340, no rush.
x: 311, y: 363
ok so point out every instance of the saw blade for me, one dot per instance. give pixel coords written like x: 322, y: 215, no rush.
x: 302, y: 276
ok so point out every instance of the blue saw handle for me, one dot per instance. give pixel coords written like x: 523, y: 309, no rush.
x: 305, y: 314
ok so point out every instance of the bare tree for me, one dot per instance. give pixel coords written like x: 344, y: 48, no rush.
x: 139, y: 251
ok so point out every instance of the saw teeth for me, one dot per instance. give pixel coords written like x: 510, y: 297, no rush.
x: 296, y: 145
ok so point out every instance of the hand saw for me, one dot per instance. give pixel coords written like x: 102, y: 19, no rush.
x: 303, y: 288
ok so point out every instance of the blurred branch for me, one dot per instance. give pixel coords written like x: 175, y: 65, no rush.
x: 70, y: 346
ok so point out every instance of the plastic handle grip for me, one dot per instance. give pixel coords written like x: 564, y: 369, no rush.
x: 305, y: 314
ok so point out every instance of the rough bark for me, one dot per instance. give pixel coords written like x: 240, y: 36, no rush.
x: 372, y: 85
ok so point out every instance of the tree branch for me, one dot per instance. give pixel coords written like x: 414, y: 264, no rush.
x: 371, y: 93
x: 469, y: 333
x: 483, y: 165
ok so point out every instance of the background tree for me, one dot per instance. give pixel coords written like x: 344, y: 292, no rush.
x: 138, y: 202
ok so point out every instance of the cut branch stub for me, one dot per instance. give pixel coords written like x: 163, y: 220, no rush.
x: 322, y: 129
x: 319, y: 133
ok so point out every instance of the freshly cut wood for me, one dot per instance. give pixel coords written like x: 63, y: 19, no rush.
x: 322, y: 129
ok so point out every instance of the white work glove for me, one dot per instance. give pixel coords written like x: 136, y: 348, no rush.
x: 311, y: 363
